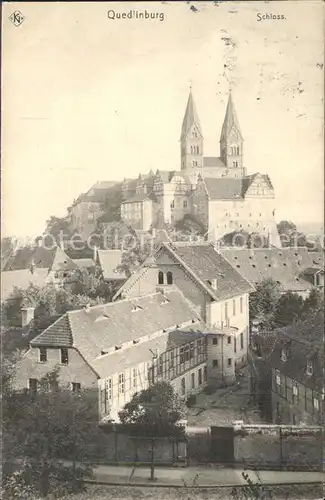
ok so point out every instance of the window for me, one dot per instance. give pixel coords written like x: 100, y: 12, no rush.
x: 277, y: 377
x: 229, y: 340
x: 121, y: 383
x: 181, y: 355
x: 109, y: 389
x: 184, y: 204
x: 215, y: 363
x: 234, y: 307
x: 171, y: 360
x: 64, y: 356
x: 215, y: 341
x: 160, y: 278
x: 169, y: 278
x: 193, y: 380
x: 242, y: 340
x: 200, y: 376
x: 32, y: 384
x: 172, y: 205
x: 183, y: 387
x: 187, y: 352
x: 284, y: 354
x: 134, y: 377
x: 205, y: 374
x: 235, y: 345
x: 316, y: 403
x: 76, y: 386
x: 191, y: 350
x: 295, y: 391
x: 42, y: 355
x: 309, y: 368
x: 229, y: 361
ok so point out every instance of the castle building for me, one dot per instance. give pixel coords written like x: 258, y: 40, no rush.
x: 217, y: 192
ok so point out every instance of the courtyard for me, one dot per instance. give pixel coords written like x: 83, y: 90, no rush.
x: 225, y: 405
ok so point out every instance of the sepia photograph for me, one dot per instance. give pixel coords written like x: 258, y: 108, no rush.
x: 162, y: 250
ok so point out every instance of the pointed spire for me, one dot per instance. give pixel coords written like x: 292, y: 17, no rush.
x: 190, y: 117
x: 230, y: 120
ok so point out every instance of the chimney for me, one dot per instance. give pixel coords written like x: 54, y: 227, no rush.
x: 27, y: 315
x: 214, y: 283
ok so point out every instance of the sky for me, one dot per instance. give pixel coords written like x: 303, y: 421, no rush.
x: 88, y: 98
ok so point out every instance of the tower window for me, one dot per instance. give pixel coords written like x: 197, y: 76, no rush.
x: 238, y: 150
x: 197, y: 149
x: 169, y: 278
x: 185, y: 204
x: 160, y: 278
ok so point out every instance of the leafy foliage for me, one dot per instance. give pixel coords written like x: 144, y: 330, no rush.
x: 44, y: 429
x: 155, y: 411
x: 263, y: 302
x: 251, y: 490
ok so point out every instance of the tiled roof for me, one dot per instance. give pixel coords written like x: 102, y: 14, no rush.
x: 96, y: 193
x: 84, y: 263
x: 191, y: 117
x: 304, y: 340
x: 53, y: 259
x: 207, y: 264
x: 109, y: 260
x: 224, y: 188
x: 142, y: 352
x: 21, y: 278
x: 104, y: 326
x: 284, y: 265
x: 213, y: 161
x: 249, y: 179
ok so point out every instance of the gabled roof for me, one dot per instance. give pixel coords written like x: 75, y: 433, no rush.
x: 225, y: 188
x: 284, y: 265
x: 230, y: 121
x: 213, y: 161
x: 249, y: 179
x: 102, y: 327
x: 21, y: 278
x: 96, y: 193
x: 190, y: 118
x: 203, y: 263
x: 109, y: 260
x: 52, y: 259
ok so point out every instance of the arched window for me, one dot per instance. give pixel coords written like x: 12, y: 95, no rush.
x: 160, y: 278
x: 191, y: 150
x: 169, y: 278
x: 238, y: 150
x: 197, y: 149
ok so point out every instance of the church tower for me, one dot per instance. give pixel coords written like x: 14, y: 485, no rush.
x: 231, y: 140
x: 191, y: 141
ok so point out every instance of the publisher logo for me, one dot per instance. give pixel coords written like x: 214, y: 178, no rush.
x: 17, y: 18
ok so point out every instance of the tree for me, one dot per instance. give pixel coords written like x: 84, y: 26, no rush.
x: 263, y: 302
x: 44, y: 429
x: 314, y: 302
x: 57, y: 227
x: 112, y: 205
x: 251, y: 490
x: 286, y: 227
x: 289, y: 309
x: 153, y: 413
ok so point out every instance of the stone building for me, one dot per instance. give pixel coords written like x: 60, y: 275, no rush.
x: 217, y: 192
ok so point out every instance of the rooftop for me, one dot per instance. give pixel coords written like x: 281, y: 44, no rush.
x: 109, y: 260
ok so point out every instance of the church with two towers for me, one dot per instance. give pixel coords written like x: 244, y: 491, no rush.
x: 217, y: 192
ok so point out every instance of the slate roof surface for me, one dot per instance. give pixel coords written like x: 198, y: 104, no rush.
x: 230, y: 120
x: 104, y: 326
x: 96, y: 193
x: 190, y: 117
x: 206, y: 263
x: 20, y: 260
x: 21, y: 278
x: 224, y: 188
x: 285, y: 265
x: 109, y: 260
x: 213, y: 161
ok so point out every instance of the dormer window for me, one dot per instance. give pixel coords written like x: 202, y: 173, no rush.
x: 309, y: 367
x: 118, y: 347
